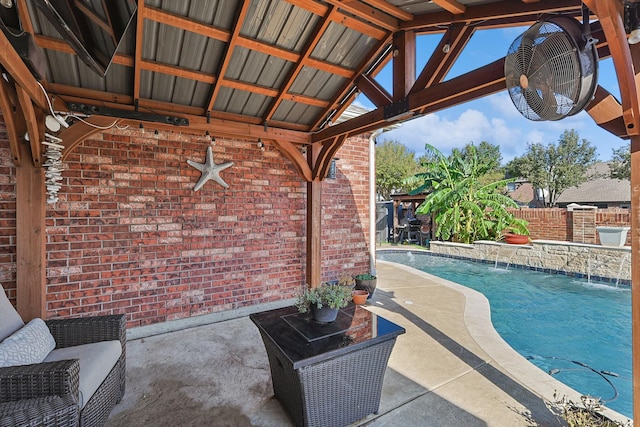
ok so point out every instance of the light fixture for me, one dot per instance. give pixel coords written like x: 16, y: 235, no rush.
x: 446, y: 48
x: 634, y: 37
x: 141, y: 128
x: 7, y: 3
x: 52, y: 124
x: 632, y: 21
x: 333, y: 170
x: 260, y: 144
x: 156, y: 133
x: 207, y: 136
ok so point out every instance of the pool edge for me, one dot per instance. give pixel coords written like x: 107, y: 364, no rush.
x: 477, y: 321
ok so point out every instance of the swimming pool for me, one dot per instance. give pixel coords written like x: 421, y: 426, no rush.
x: 578, y: 331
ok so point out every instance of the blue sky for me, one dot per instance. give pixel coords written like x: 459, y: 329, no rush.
x: 493, y: 118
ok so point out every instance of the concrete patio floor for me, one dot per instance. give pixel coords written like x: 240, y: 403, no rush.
x: 450, y: 369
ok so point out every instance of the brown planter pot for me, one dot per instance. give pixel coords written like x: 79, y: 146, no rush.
x: 359, y: 296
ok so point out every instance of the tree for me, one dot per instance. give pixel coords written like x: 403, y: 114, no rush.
x: 486, y: 153
x: 465, y: 209
x: 554, y: 168
x: 620, y: 166
x: 394, y: 163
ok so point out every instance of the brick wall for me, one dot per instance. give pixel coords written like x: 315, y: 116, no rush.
x: 547, y: 224
x: 576, y: 226
x: 129, y: 234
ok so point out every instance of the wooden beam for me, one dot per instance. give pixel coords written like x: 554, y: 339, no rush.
x: 9, y: 116
x: 293, y: 153
x: 373, y: 91
x: 327, y: 152
x: 404, y: 63
x: 76, y: 134
x: 390, y: 9
x: 237, y: 26
x: 447, y: 51
x: 606, y: 111
x: 31, y: 259
x: 137, y: 61
x: 367, y: 13
x: 20, y: 73
x: 635, y: 272
x: 451, y: 6
x: 314, y: 223
x: 475, y: 84
x: 491, y: 11
x: 609, y: 13
x: 35, y: 125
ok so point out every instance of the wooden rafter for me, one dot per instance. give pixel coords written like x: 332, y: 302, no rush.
x: 447, y: 51
x: 493, y: 11
x: 606, y: 111
x: 10, y: 120
x: 373, y: 90
x: 237, y: 26
x: 610, y: 16
x: 297, y: 68
x: 19, y: 72
x: 35, y: 127
x: 475, y: 84
x: 451, y: 6
x: 137, y: 60
x: 340, y: 103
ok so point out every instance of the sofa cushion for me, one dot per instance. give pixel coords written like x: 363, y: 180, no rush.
x: 96, y: 361
x: 29, y: 344
x: 10, y: 320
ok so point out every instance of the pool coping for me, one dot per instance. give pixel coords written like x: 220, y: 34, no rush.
x: 477, y: 320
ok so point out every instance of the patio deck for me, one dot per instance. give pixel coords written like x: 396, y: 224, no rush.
x: 449, y: 369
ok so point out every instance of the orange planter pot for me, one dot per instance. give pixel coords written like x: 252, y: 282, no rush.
x: 359, y: 297
x: 516, y: 239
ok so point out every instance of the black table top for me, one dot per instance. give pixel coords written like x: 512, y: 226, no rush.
x: 304, y: 342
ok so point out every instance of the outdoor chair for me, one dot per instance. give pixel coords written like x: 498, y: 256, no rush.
x: 413, y: 235
x: 74, y: 381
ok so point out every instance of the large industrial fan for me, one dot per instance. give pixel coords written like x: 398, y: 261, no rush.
x: 551, y: 69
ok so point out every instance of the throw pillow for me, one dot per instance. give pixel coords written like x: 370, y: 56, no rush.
x: 30, y: 344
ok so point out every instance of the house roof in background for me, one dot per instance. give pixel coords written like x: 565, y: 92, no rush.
x: 599, y: 189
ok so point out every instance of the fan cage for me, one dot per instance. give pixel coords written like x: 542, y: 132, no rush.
x: 548, y: 76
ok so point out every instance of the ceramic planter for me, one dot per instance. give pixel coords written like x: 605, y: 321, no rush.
x: 612, y: 236
x: 325, y: 314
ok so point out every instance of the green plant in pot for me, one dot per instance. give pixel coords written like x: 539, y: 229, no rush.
x: 366, y: 282
x: 324, y: 301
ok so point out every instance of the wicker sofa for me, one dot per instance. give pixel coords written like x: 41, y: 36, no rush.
x: 77, y: 384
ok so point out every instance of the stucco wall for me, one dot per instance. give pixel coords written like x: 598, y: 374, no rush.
x: 129, y: 234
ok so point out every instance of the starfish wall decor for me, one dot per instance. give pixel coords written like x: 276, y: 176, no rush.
x: 209, y: 170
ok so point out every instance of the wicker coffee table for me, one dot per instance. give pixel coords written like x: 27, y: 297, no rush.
x: 327, y: 375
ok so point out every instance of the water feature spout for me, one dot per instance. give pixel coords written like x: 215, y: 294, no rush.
x: 622, y: 260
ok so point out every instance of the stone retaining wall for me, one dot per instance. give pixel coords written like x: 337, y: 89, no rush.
x: 610, y: 264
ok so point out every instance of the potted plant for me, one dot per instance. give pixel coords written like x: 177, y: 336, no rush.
x: 518, y: 234
x: 324, y: 301
x: 366, y: 282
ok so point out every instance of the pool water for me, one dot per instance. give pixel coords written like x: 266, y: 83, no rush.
x: 552, y: 319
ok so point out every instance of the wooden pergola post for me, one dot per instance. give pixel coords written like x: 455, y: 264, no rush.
x: 30, y: 238
x: 635, y: 271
